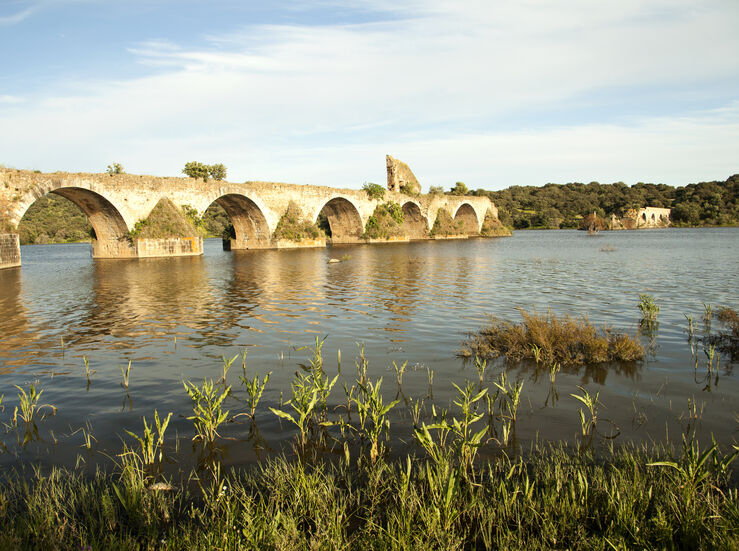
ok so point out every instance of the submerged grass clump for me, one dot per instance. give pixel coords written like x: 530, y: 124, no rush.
x: 550, y: 339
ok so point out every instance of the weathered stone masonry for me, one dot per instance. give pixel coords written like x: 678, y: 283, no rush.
x: 115, y: 203
x: 10, y: 250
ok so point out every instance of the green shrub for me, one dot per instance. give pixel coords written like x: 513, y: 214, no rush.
x: 294, y: 227
x: 459, y: 189
x: 445, y: 224
x: 194, y: 169
x: 492, y: 227
x: 374, y: 191
x: 165, y: 220
x: 386, y: 221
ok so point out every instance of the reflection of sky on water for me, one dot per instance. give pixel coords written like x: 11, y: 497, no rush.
x: 176, y: 318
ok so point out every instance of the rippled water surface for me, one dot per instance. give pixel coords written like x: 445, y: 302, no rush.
x: 415, y: 302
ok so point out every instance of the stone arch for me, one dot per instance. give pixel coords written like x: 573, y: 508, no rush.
x: 344, y: 221
x: 104, y: 217
x: 415, y: 224
x: 466, y: 218
x: 250, y: 225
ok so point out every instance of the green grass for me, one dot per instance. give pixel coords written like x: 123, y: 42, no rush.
x: 551, y: 499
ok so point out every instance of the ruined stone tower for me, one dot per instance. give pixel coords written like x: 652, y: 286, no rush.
x: 398, y: 174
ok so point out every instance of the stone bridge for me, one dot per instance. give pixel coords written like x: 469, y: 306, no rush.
x: 115, y: 203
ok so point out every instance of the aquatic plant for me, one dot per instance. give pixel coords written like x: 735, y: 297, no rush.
x: 649, y: 309
x: 372, y: 413
x: 126, y: 374
x: 29, y: 405
x: 208, y: 414
x: 547, y: 338
x: 399, y: 372
x: 254, y: 389
x: 151, y: 445
x: 587, y: 425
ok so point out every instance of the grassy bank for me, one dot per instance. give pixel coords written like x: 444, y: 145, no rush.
x: 552, y: 499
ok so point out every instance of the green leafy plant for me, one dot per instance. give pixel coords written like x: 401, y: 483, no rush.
x: 194, y: 169
x: 254, y: 389
x: 649, y: 309
x: 373, y: 416
x: 374, y: 191
x: 208, y: 415
x: 115, y: 168
x: 126, y: 374
x: 587, y: 425
x: 151, y: 444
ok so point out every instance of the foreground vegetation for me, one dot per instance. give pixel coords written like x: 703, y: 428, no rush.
x: 461, y: 482
x: 552, y: 499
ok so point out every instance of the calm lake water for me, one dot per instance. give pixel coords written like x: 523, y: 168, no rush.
x: 175, y: 319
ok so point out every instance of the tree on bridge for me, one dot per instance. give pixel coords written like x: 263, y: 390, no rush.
x: 194, y: 169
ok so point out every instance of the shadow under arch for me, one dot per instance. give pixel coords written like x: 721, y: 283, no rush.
x: 468, y: 218
x: 104, y: 217
x: 250, y: 228
x: 415, y: 224
x: 343, y: 222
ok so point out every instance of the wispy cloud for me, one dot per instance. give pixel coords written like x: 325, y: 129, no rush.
x: 17, y: 17
x: 8, y: 99
x: 439, y: 85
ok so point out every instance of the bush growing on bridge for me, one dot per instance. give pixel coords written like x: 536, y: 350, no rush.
x: 295, y: 227
x: 194, y: 169
x: 492, y: 227
x: 374, y: 191
x: 165, y: 220
x: 385, y: 222
x: 115, y: 168
x: 445, y: 224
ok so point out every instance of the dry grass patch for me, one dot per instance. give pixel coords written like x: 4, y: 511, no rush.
x: 569, y: 341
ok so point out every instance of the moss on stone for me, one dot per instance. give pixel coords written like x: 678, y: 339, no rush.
x: 445, y: 224
x: 294, y: 227
x: 165, y: 220
x: 493, y: 227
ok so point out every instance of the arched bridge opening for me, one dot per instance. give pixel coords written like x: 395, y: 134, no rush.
x: 466, y: 219
x: 415, y: 224
x: 248, y: 228
x: 104, y: 225
x: 341, y: 221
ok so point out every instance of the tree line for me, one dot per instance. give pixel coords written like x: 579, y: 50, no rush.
x: 565, y: 205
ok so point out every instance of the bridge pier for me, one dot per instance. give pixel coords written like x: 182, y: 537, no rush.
x: 10, y: 250
x: 242, y: 244
x: 147, y: 248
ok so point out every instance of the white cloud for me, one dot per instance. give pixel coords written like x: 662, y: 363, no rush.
x: 323, y: 104
x: 16, y: 17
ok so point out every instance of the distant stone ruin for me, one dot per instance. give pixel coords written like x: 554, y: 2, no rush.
x: 400, y: 175
x: 647, y: 217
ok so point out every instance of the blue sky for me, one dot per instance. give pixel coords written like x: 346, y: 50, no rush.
x: 492, y: 93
